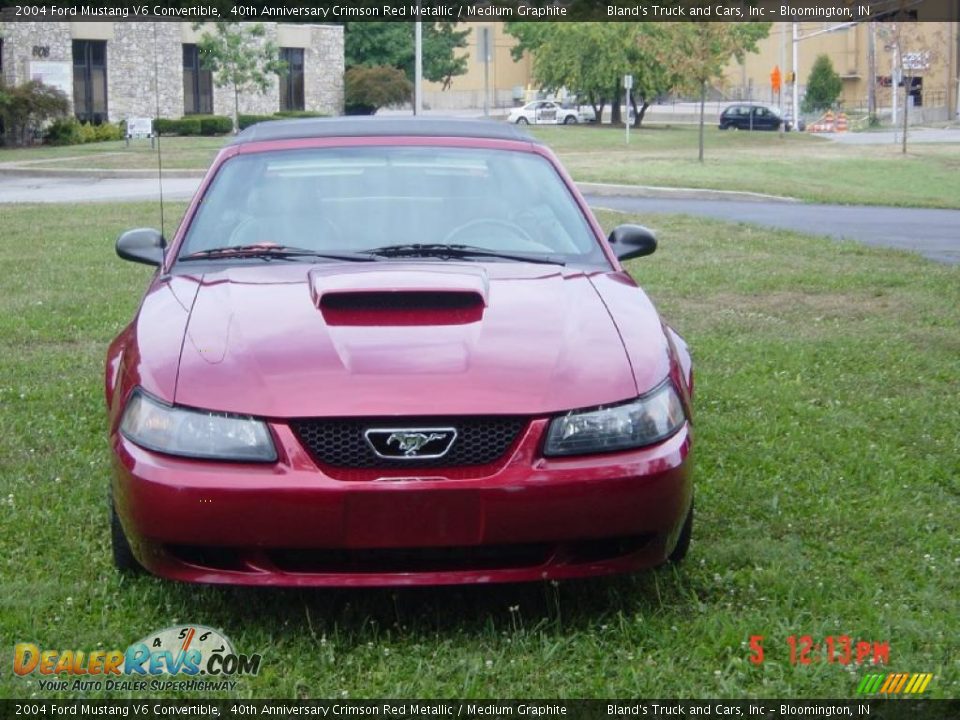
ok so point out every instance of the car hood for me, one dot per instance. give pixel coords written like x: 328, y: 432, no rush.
x: 294, y: 340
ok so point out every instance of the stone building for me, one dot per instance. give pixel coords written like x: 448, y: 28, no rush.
x: 111, y: 70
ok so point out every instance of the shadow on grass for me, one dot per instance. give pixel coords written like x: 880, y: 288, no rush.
x: 361, y: 615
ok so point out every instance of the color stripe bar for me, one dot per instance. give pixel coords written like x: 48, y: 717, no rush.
x: 891, y: 679
x: 914, y: 681
x: 901, y: 683
x: 926, y: 682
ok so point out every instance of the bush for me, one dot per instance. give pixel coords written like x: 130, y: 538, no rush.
x: 108, y: 131
x: 194, y: 125
x: 299, y: 114
x: 63, y: 131
x: 368, y: 89
x: 25, y: 108
x: 68, y: 131
x: 88, y: 133
x: 215, y: 125
x: 245, y: 121
x: 164, y: 126
x: 823, y: 86
x: 188, y: 125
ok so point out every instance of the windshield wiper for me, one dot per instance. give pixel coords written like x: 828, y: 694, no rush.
x: 441, y: 250
x: 270, y: 252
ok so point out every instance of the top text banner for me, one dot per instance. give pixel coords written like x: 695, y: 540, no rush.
x: 335, y: 11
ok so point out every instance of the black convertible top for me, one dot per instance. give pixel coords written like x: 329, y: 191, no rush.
x: 380, y: 127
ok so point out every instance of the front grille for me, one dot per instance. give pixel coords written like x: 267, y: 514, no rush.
x: 340, y: 442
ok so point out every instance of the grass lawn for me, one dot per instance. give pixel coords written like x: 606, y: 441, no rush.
x: 795, y: 165
x: 827, y: 466
x: 178, y: 153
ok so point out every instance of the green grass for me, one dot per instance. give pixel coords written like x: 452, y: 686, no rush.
x: 827, y: 464
x: 178, y: 153
x: 794, y: 165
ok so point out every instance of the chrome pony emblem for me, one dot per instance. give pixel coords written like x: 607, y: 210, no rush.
x: 410, y: 444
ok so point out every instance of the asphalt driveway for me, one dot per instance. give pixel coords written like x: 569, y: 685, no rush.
x: 935, y: 234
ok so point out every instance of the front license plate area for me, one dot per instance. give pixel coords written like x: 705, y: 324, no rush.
x: 409, y: 519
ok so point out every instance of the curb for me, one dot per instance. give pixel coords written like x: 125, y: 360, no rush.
x: 648, y: 191
x: 104, y: 174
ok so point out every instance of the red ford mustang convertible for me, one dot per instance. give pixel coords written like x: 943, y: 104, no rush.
x: 395, y: 352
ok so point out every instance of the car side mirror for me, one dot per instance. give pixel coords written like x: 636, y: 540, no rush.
x: 142, y: 245
x: 632, y: 241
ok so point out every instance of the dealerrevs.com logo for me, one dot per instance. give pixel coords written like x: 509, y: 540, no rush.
x: 184, y: 651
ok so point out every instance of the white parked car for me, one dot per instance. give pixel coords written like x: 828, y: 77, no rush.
x: 547, y: 112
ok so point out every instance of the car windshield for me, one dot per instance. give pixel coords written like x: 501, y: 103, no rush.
x: 364, y: 199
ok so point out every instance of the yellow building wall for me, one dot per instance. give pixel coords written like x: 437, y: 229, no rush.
x: 848, y: 51
x: 505, y: 73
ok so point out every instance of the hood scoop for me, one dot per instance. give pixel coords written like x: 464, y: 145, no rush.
x: 409, y: 295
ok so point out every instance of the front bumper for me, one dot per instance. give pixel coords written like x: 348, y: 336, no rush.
x: 292, y: 523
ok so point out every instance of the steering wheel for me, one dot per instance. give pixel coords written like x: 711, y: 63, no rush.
x: 498, y: 227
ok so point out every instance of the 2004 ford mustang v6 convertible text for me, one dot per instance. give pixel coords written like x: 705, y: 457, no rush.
x: 395, y: 352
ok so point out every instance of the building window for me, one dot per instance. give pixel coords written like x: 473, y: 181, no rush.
x: 291, y: 84
x: 197, y: 84
x: 90, y: 80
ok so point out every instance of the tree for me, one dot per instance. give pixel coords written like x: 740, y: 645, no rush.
x: 368, y: 89
x: 24, y: 108
x: 588, y: 59
x: 240, y: 57
x: 823, y: 86
x: 698, y: 52
x: 652, y: 78
x: 373, y: 44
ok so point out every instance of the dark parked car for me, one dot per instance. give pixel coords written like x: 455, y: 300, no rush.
x: 395, y: 352
x: 745, y: 116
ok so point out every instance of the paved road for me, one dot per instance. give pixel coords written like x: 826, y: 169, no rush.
x: 890, y: 137
x: 933, y: 233
x: 30, y: 189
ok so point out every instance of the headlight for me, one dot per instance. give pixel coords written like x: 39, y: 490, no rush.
x: 644, y: 421
x: 194, y: 433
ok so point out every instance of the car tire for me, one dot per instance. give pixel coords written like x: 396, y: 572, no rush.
x: 123, y: 558
x: 724, y: 126
x: 683, y: 542
x: 522, y: 121
x: 570, y: 120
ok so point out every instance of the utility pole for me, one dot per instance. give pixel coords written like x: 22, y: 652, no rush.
x: 872, y: 71
x: 783, y: 64
x: 485, y: 39
x: 796, y: 79
x: 418, y: 65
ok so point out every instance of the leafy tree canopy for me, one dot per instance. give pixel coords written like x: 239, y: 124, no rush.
x: 592, y: 58
x: 240, y: 56
x: 391, y: 44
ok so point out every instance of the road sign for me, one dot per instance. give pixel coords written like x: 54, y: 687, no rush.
x: 628, y: 81
x: 775, y: 78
